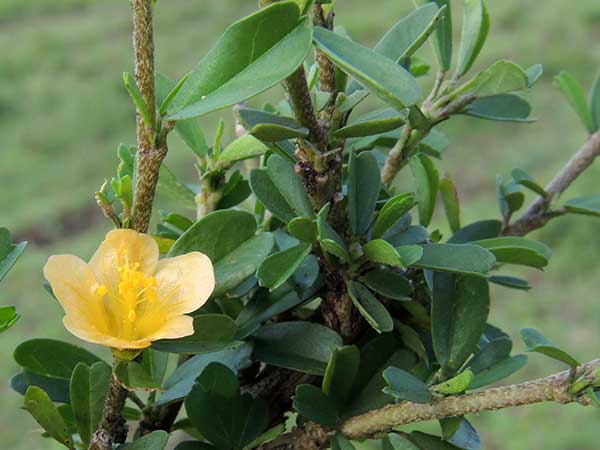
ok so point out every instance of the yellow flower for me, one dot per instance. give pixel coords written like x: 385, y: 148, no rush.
x: 125, y: 298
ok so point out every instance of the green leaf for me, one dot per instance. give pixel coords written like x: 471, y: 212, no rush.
x: 223, y: 416
x: 491, y: 354
x: 52, y: 358
x: 498, y: 371
x: 521, y: 177
x: 518, y: 250
x: 425, y: 441
x: 329, y: 239
x: 443, y: 35
x: 456, y: 385
x: 451, y: 203
x: 270, y: 127
x: 375, y: 122
x: 89, y: 388
x: 393, y: 441
x: 312, y: 403
x: 534, y: 73
x: 157, y: 440
x: 170, y: 186
x: 244, y: 147
x: 502, y: 77
x: 302, y: 346
x: 270, y: 44
x: 56, y: 388
x: 595, y: 103
x: 8, y: 317
x: 180, y: 383
x: 364, y: 184
x: 427, y: 181
x: 475, y: 231
x: 459, y: 313
x: 279, y: 267
x: 476, y: 25
x: 236, y: 190
x: 382, y: 252
x: 370, y: 308
x: 536, y: 342
x: 134, y: 376
x: 404, y: 386
x: 501, y: 107
x: 135, y: 94
x: 9, y: 252
x: 392, y: 212
x: 41, y: 408
x: 382, y: 76
x: 466, y: 437
x: 289, y: 185
x: 410, y: 254
x: 303, y: 229
x: 576, y: 97
x: 340, y: 442
x: 212, y: 332
x: 589, y: 206
x: 267, y: 193
x: 388, y: 284
x: 510, y: 282
x: 340, y: 374
x: 458, y: 258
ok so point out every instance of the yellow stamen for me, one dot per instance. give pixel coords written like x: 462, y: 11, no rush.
x: 132, y: 315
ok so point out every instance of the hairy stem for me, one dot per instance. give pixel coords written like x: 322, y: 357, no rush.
x: 113, y: 427
x: 537, y: 215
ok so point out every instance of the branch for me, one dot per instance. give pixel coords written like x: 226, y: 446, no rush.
x: 112, y: 428
x: 537, y: 215
x: 554, y: 388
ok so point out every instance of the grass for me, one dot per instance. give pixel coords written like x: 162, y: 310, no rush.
x: 63, y: 111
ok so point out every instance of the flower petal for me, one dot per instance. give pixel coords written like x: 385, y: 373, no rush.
x: 72, y: 283
x: 177, y: 327
x: 85, y: 331
x: 184, y: 283
x: 119, y: 247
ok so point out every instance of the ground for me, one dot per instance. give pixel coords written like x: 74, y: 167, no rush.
x: 63, y: 111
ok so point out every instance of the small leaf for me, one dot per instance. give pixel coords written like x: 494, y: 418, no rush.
x: 517, y: 250
x: 410, y: 254
x: 382, y: 76
x: 456, y: 385
x: 533, y: 74
x: 370, y: 308
x: 536, y: 342
x: 270, y: 44
x: 312, y: 403
x: 510, y: 282
x: 404, y: 386
x: 8, y: 317
x: 459, y: 313
x: 576, y: 97
x: 382, y: 252
x: 502, y: 77
x: 595, y: 103
x: 9, y: 252
x: 340, y: 442
x: 279, y: 267
x: 459, y: 258
x: 156, y: 440
x: 340, y: 374
x: 451, y: 203
x: 476, y: 25
x: 170, y: 186
x: 425, y: 441
x: 56, y: 388
x: 466, y: 437
x: 491, y: 354
x: 270, y: 127
x: 589, y: 206
x: 392, y: 212
x: 244, y: 147
x: 427, y: 185
x: 329, y: 239
x: 268, y: 194
x: 363, y: 190
x: 443, y: 35
x: 302, y: 346
x: 435, y: 143
x: 375, y: 122
x: 39, y: 405
x: 303, y: 229
x: 523, y: 178
x: 501, y: 107
x: 499, y: 371
x: 289, y: 185
x: 475, y: 231
x: 388, y: 284
x: 134, y: 376
x: 140, y: 105
x: 510, y: 197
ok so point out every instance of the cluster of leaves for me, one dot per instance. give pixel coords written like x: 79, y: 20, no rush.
x: 424, y: 298
x: 9, y: 254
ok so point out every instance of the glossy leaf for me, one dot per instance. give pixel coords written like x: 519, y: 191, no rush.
x: 404, y: 386
x: 484, y: 229
x: 524, y: 179
x: 9, y: 252
x: 501, y: 107
x: 457, y: 384
x: 289, y: 185
x: 56, y: 388
x: 534, y: 73
x: 491, y: 354
x: 156, y: 440
x: 8, y: 317
x: 589, y: 206
x: 518, y: 250
x: 595, y: 103
x: 170, y: 186
x: 427, y: 185
x: 443, y: 35
x: 270, y: 44
x: 410, y: 254
x: 388, y: 283
x: 329, y: 239
x: 313, y: 404
x: 476, y: 25
x: 510, y: 282
x: 536, y: 342
x: 466, y: 437
x: 267, y: 193
x: 279, y: 267
x: 244, y: 147
x: 382, y: 252
x: 302, y: 346
x: 502, y: 77
x: 41, y: 408
x: 498, y: 371
x: 458, y: 258
x: 340, y: 374
x: 459, y: 313
x: 363, y: 190
x: 370, y: 308
x: 375, y: 122
x: 451, y: 203
x: 270, y: 127
x: 572, y: 89
x: 392, y: 212
x: 303, y: 229
x: 52, y: 358
x: 381, y: 75
x: 134, y: 376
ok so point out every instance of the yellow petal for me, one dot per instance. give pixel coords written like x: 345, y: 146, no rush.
x: 177, y: 327
x: 184, y: 283
x: 121, y: 247
x: 86, y: 332
x: 73, y: 284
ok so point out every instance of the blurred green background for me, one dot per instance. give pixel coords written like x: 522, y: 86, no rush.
x: 63, y: 111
